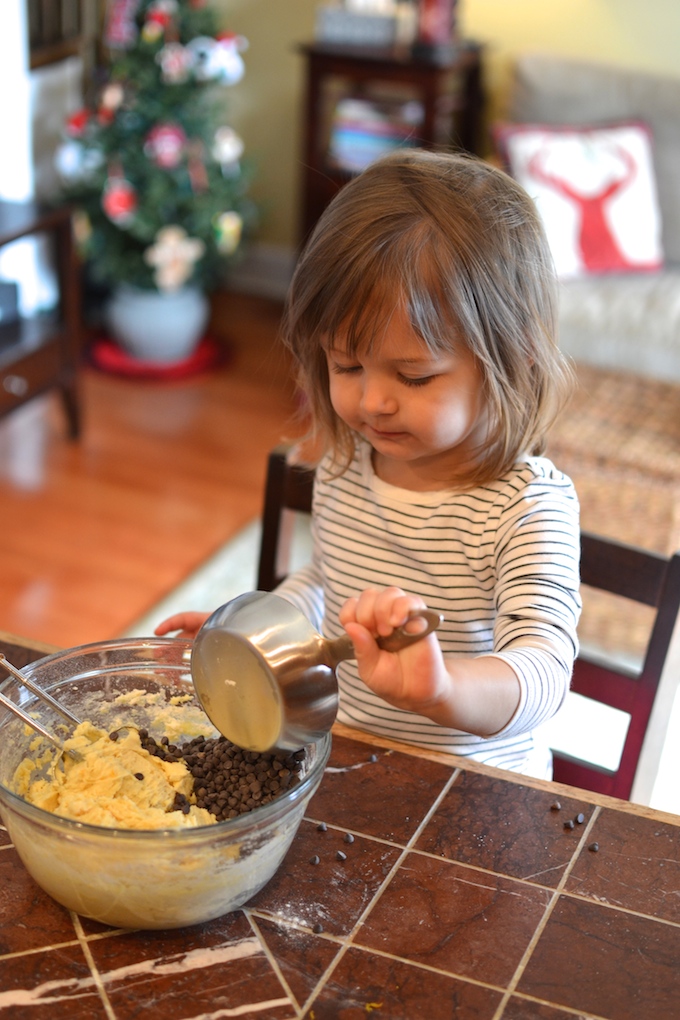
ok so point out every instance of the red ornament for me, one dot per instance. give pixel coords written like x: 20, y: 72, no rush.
x: 119, y: 201
x: 77, y: 122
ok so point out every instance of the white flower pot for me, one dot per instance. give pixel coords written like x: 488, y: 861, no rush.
x: 159, y: 327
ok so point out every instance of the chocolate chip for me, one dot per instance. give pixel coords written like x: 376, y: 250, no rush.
x: 139, y: 775
x: 321, y: 827
x: 318, y: 928
x: 569, y: 824
x: 341, y: 856
x: 594, y: 847
x: 556, y: 806
x: 348, y: 837
x: 580, y: 818
x: 373, y: 758
x: 315, y: 859
x: 114, y: 736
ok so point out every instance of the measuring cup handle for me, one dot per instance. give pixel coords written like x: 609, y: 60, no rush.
x: 341, y: 648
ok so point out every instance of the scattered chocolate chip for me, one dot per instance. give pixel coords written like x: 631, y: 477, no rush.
x: 556, y: 806
x: 114, y: 736
x: 321, y: 827
x: 569, y: 824
x: 341, y: 856
x: 373, y: 758
x: 139, y: 775
x: 594, y: 847
x: 318, y: 928
x: 580, y: 818
x: 315, y: 859
x: 348, y: 837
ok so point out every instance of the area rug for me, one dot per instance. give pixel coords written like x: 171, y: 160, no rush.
x: 619, y: 440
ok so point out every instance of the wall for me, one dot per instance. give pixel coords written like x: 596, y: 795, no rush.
x: 265, y: 107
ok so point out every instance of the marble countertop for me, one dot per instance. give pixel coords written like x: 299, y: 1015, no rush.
x: 442, y: 890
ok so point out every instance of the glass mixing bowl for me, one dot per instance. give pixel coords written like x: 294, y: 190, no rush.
x: 128, y: 878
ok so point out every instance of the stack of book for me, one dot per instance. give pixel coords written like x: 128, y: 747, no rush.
x: 362, y: 130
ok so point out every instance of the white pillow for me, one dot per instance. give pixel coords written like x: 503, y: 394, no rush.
x: 595, y: 189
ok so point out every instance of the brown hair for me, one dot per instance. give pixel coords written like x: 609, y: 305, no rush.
x: 461, y: 246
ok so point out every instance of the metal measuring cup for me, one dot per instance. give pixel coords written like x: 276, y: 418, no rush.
x: 266, y: 678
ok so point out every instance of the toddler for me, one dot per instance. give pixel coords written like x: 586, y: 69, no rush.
x: 422, y: 320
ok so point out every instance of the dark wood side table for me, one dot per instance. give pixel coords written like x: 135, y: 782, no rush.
x: 42, y: 352
x: 449, y: 91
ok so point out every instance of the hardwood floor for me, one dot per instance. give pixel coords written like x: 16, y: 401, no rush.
x: 96, y: 531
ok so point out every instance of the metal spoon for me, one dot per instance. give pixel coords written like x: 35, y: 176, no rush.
x: 34, y: 688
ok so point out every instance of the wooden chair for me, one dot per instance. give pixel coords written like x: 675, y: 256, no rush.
x: 606, y: 565
x: 651, y: 580
x: 288, y: 489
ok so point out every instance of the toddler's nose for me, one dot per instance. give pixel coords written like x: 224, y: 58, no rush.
x: 377, y: 398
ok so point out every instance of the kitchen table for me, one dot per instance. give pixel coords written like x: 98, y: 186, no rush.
x: 419, y: 886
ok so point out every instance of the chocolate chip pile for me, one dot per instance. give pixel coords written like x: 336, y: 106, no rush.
x: 228, y: 781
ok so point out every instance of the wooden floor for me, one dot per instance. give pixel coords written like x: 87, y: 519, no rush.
x: 94, y: 532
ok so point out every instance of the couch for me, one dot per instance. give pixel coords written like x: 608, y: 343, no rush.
x: 626, y: 321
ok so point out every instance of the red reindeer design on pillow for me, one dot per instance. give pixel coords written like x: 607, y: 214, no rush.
x: 598, y: 246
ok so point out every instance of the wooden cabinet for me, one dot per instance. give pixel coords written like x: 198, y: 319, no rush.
x: 42, y: 352
x: 449, y: 96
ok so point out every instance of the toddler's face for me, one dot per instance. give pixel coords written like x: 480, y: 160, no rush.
x: 423, y: 414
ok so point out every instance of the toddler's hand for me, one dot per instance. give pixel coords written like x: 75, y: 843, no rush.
x: 188, y: 624
x: 414, y: 678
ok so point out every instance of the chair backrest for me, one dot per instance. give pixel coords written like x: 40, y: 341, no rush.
x: 288, y: 488
x: 606, y: 565
x: 652, y: 580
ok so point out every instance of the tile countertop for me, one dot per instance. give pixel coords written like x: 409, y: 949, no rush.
x: 461, y: 895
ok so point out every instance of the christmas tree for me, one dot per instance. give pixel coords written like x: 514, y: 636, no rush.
x: 152, y: 167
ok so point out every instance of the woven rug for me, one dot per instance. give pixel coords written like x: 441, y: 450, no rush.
x: 619, y: 440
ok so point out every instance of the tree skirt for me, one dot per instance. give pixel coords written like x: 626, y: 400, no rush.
x: 106, y: 355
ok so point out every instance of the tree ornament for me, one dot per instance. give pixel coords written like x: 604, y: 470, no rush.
x: 77, y: 123
x: 173, y: 256
x: 218, y: 59
x: 119, y: 201
x: 176, y: 62
x: 77, y: 162
x: 159, y: 17
x: 165, y: 145
x: 228, y: 229
x: 120, y: 31
x: 230, y: 47
x: 227, y: 148
x: 198, y: 175
x: 112, y: 96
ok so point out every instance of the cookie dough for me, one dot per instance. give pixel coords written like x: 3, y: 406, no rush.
x: 117, y: 784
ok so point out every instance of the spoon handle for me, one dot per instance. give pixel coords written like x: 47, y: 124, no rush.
x: 33, y: 723
x: 35, y: 688
x: 341, y: 648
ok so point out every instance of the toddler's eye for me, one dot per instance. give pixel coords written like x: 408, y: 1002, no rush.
x: 418, y: 380
x: 345, y: 369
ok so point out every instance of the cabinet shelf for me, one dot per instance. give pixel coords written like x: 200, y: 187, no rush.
x: 449, y: 94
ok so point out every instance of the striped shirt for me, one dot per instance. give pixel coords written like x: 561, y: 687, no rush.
x: 499, y: 562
